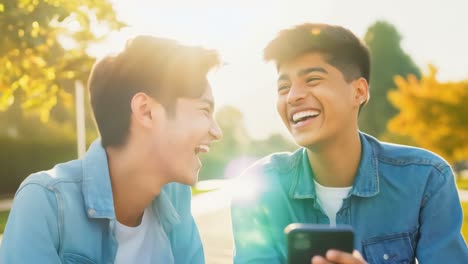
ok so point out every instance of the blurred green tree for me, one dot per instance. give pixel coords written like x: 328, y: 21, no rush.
x: 387, y: 60
x: 43, y: 50
x: 235, y: 137
x: 273, y: 143
x: 233, y: 144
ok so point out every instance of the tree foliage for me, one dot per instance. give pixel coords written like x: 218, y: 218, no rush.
x: 434, y: 114
x: 387, y: 60
x: 43, y: 49
x: 235, y: 137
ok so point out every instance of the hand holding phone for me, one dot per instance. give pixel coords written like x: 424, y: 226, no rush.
x: 308, y: 240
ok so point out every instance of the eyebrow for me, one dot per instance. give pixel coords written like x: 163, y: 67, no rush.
x: 285, y: 77
x: 312, y: 69
x: 209, y: 102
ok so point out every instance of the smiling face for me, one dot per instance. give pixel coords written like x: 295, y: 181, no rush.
x: 315, y: 101
x: 179, y: 138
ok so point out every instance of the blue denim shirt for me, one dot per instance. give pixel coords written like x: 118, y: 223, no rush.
x: 403, y: 205
x: 66, y: 215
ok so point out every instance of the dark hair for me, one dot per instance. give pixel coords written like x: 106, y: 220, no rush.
x: 161, y: 68
x: 339, y: 46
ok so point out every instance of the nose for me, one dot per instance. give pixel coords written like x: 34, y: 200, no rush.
x: 296, y: 94
x: 215, y: 131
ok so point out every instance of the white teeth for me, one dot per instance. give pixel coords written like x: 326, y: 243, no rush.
x: 303, y: 114
x: 204, y: 148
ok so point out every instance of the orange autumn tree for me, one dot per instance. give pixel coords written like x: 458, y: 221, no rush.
x: 433, y: 114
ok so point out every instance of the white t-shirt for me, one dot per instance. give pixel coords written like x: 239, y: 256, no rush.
x: 146, y: 243
x: 331, y: 199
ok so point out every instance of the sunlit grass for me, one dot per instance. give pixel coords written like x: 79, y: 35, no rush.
x: 196, y: 191
x: 207, y: 186
x: 3, y: 220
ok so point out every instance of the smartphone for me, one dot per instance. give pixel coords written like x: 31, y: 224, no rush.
x: 308, y: 240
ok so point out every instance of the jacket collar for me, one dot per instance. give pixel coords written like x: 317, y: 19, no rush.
x: 366, y: 183
x: 97, y: 190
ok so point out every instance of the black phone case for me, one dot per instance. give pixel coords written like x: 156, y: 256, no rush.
x: 308, y: 240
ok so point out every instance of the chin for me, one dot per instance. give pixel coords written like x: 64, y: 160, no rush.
x: 190, y: 179
x: 307, y: 140
x: 192, y: 183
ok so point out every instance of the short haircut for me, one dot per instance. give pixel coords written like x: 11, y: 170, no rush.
x: 339, y: 46
x: 161, y: 68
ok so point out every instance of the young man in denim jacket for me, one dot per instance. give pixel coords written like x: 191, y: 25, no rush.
x: 128, y: 199
x: 401, y: 201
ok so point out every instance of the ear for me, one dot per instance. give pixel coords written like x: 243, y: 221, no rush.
x: 145, y: 109
x: 361, y: 92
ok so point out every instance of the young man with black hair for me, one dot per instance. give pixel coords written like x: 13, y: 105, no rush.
x: 401, y: 201
x: 128, y: 199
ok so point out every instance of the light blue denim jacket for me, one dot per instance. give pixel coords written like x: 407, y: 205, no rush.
x: 403, y: 205
x: 66, y: 215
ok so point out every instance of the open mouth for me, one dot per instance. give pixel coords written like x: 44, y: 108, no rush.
x: 202, y: 149
x: 303, y: 116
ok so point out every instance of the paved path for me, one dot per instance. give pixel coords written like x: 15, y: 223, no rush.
x: 463, y: 195
x: 216, y: 234
x: 212, y: 215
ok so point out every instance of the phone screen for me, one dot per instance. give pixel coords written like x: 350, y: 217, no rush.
x: 308, y: 240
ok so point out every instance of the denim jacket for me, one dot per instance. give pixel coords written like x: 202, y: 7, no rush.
x: 403, y: 206
x: 66, y: 215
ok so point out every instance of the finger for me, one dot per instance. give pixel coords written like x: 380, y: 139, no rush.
x: 358, y: 255
x: 343, y: 257
x: 319, y: 260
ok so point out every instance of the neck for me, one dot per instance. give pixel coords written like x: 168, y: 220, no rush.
x: 336, y: 162
x: 134, y: 186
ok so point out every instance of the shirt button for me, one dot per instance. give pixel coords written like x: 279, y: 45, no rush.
x: 385, y: 256
x: 91, y: 212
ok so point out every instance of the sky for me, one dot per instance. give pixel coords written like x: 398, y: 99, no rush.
x: 433, y: 31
